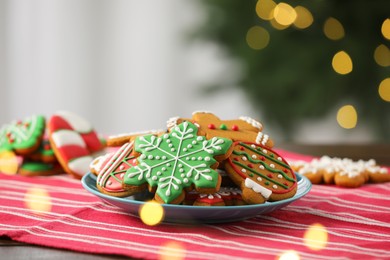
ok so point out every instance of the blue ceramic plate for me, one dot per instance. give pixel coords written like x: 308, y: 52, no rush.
x: 196, y: 214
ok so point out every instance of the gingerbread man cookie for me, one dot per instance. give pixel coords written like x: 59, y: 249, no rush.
x: 23, y: 136
x: 261, y: 173
x: 176, y: 161
x: 243, y: 129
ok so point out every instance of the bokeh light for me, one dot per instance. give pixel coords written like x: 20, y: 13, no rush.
x: 289, y: 255
x: 316, y: 237
x: 333, y: 29
x: 151, y: 213
x: 382, y: 55
x: 386, y: 28
x: 284, y: 14
x: 38, y: 200
x: 257, y: 37
x: 384, y: 89
x: 347, y: 117
x: 265, y: 9
x: 172, y: 250
x: 342, y: 63
x: 8, y: 162
x: 304, y: 17
x: 278, y: 26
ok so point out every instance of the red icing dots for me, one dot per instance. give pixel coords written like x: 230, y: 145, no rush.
x: 242, y: 148
x: 250, y: 165
x: 235, y: 127
x: 269, y: 175
x: 211, y: 126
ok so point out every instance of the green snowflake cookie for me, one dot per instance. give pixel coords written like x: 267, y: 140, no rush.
x: 176, y: 160
x: 21, y: 135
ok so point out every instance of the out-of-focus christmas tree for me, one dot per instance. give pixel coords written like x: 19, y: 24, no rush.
x: 302, y: 59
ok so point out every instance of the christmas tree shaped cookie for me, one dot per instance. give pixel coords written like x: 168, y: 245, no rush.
x: 176, y: 161
x: 23, y: 136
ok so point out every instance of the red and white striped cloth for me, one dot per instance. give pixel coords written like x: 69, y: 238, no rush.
x: 357, y: 223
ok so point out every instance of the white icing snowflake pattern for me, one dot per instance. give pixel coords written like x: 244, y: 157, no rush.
x: 176, y: 160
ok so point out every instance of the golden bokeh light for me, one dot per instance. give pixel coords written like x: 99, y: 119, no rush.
x: 278, y: 26
x: 8, y: 162
x: 257, y: 37
x: 172, y: 250
x: 386, y: 28
x: 304, y: 17
x: 37, y: 200
x: 284, y: 14
x: 265, y: 9
x: 289, y: 255
x: 347, y: 117
x: 342, y: 63
x: 382, y: 55
x: 316, y: 237
x: 384, y: 89
x: 151, y: 213
x: 333, y: 29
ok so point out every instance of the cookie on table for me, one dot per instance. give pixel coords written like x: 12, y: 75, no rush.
x: 121, y: 139
x: 261, y: 173
x: 178, y: 160
x: 111, y: 169
x: 34, y: 168
x: 342, y: 171
x: 244, y: 129
x: 23, y: 136
x: 44, y: 153
x: 74, y: 141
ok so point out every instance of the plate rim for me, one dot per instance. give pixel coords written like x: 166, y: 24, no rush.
x: 300, y: 178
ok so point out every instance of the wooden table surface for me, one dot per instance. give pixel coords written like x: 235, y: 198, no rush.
x: 380, y: 152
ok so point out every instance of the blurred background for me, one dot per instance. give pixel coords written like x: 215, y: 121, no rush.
x: 310, y: 71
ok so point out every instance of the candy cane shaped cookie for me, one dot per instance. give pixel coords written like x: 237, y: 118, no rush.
x: 261, y: 173
x: 74, y: 142
x: 111, y: 169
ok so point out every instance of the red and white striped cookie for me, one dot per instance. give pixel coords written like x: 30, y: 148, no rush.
x: 111, y: 169
x: 74, y: 142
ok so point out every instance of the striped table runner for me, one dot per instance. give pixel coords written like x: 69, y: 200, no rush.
x: 328, y: 223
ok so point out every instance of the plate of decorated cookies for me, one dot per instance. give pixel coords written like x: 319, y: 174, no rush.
x: 200, y: 169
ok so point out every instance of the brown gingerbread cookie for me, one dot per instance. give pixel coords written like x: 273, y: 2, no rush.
x: 244, y: 129
x: 121, y: 139
x: 261, y: 173
x: 341, y: 171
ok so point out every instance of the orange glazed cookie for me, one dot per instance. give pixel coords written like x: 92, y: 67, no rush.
x: 244, y: 129
x: 261, y: 173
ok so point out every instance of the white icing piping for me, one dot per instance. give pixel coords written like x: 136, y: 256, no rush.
x: 120, y: 154
x: 252, y: 122
x: 262, y: 138
x: 266, y: 193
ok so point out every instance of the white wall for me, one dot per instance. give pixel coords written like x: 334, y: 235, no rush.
x: 122, y: 64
